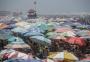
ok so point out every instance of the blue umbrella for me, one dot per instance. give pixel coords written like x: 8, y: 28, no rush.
x: 16, y: 42
x: 36, y: 29
x: 19, y: 30
x: 40, y: 40
x: 15, y: 39
x: 5, y: 34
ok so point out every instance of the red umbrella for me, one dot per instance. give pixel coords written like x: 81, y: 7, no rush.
x: 86, y: 58
x: 76, y: 40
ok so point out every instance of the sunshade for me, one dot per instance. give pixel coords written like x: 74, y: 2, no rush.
x: 40, y: 40
x: 20, y: 55
x: 19, y: 30
x: 36, y: 29
x: 42, y: 25
x: 63, y: 56
x: 86, y: 59
x: 68, y: 33
x: 17, y: 45
x: 51, y: 34
x: 16, y: 42
x: 76, y: 40
x: 69, y: 56
x: 59, y: 37
x: 22, y: 24
x: 15, y: 39
x: 83, y: 33
x: 85, y: 37
x: 5, y: 34
x: 82, y: 27
x: 47, y: 60
x: 63, y: 30
x: 2, y: 26
x: 33, y: 34
x: 57, y: 55
x: 51, y: 26
x: 6, y: 51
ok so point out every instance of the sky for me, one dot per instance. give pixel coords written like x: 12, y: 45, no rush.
x: 47, y: 6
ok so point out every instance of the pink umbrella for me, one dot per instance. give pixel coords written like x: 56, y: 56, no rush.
x: 63, y: 30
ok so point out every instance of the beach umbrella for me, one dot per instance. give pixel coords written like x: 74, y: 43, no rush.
x: 22, y: 24
x: 17, y: 45
x: 5, y: 34
x: 15, y: 39
x: 19, y: 30
x: 11, y: 26
x: 42, y: 25
x: 36, y: 29
x: 57, y: 55
x: 82, y: 27
x: 69, y: 56
x: 51, y: 26
x: 83, y: 33
x: 76, y: 40
x: 58, y: 37
x: 47, y: 60
x: 3, y: 26
x: 86, y: 58
x: 68, y: 33
x: 63, y: 56
x: 3, y: 52
x: 16, y: 42
x: 51, y: 34
x: 40, y: 40
x: 63, y: 30
x: 84, y: 61
x: 33, y: 34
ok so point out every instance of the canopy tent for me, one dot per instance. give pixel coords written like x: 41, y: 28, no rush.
x: 41, y: 40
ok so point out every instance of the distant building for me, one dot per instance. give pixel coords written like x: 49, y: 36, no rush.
x: 17, y: 14
x: 32, y: 14
x: 5, y: 13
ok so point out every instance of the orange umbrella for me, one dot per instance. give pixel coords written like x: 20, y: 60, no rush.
x: 2, y: 26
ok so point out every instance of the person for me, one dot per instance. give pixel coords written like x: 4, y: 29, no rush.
x: 45, y: 52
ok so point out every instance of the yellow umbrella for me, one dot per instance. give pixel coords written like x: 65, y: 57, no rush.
x: 57, y: 56
x: 64, y: 56
x: 69, y: 57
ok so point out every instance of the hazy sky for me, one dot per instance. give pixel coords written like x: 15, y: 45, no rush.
x: 47, y: 6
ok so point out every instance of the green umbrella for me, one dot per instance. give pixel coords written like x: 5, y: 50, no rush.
x: 51, y: 34
x: 51, y: 26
